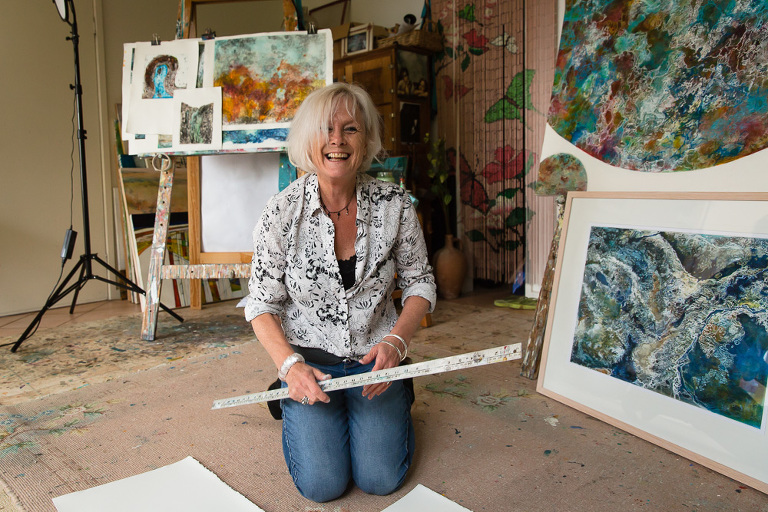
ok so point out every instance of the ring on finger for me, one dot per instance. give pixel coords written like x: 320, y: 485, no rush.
x: 305, y: 400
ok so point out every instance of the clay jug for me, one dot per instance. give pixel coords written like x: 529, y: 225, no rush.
x: 450, y: 269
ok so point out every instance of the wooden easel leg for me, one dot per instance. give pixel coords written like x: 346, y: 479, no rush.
x: 532, y: 355
x: 195, y: 228
x: 154, y: 281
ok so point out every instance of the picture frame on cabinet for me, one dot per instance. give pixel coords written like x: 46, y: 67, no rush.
x: 657, y: 322
x: 359, y: 40
x: 413, y: 74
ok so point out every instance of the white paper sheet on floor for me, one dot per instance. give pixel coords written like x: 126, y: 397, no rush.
x: 186, y: 486
x: 422, y: 499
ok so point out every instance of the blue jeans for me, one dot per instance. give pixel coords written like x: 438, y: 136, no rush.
x: 368, y: 441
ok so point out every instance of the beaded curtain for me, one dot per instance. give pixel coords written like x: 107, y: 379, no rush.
x: 493, y: 84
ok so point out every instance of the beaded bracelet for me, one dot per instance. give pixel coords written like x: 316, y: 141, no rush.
x: 394, y: 347
x: 288, y: 364
x: 402, y: 356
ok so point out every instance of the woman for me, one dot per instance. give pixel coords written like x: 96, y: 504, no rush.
x: 327, y: 252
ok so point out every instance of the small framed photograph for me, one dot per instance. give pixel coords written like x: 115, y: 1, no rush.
x: 658, y: 322
x: 359, y: 40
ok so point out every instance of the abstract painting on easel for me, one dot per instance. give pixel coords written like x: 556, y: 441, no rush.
x: 197, y: 125
x: 158, y: 73
x: 264, y: 78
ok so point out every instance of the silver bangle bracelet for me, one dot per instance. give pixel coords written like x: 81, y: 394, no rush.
x: 402, y: 356
x: 288, y: 364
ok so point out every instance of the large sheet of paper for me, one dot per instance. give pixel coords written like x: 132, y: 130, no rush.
x: 186, y: 486
x: 422, y: 499
x: 234, y: 191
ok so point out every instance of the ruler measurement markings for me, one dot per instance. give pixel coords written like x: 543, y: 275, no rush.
x: 446, y: 364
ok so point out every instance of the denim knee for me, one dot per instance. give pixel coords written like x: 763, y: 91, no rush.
x: 379, y: 480
x: 322, y: 488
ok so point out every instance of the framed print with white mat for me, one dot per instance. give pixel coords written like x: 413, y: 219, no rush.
x: 658, y: 323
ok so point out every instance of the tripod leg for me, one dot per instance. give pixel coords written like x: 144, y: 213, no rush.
x: 130, y: 285
x: 55, y: 297
x: 80, y: 282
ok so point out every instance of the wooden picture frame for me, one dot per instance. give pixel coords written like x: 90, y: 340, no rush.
x: 359, y: 40
x: 611, y: 345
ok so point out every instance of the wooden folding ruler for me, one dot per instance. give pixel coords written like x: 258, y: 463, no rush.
x: 445, y: 364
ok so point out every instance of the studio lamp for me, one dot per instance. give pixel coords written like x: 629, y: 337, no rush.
x: 61, y: 5
x: 66, y: 10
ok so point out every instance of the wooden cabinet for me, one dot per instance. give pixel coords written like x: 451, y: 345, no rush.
x: 399, y: 81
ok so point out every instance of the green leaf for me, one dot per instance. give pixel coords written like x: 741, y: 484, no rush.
x: 509, y: 193
x: 476, y: 51
x: 465, y: 63
x: 447, y: 199
x: 502, y: 109
x: 449, y: 51
x: 511, y: 245
x: 475, y: 236
x: 497, y: 233
x: 519, y: 90
x: 468, y: 13
x: 517, y: 217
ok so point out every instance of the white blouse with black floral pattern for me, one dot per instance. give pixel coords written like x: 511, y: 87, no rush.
x: 295, y: 274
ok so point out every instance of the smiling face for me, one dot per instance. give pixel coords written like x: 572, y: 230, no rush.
x: 343, y: 153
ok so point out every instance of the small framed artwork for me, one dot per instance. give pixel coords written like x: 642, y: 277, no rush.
x: 658, y: 323
x: 413, y: 74
x: 359, y: 40
x: 411, y: 131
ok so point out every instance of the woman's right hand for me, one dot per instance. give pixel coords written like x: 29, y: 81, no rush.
x: 302, y: 382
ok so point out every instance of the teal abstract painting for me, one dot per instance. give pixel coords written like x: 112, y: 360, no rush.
x: 663, y: 86
x: 678, y: 313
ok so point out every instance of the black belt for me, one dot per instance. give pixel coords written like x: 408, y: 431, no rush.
x: 319, y: 356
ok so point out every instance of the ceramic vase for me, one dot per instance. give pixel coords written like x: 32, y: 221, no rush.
x: 450, y: 269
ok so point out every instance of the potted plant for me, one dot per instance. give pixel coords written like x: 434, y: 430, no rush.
x: 449, y: 262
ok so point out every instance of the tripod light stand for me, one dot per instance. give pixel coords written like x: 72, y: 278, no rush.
x: 66, y: 10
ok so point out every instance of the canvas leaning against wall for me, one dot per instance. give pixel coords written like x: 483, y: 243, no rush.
x: 660, y: 87
x: 659, y: 325
x: 234, y: 93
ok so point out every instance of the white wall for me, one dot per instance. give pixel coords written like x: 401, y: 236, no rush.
x: 37, y: 108
x: 36, y: 141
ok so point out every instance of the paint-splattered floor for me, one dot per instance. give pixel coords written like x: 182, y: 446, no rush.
x: 485, y: 438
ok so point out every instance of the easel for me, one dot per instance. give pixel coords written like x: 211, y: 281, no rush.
x: 218, y: 265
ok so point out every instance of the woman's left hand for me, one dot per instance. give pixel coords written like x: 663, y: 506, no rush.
x: 386, y: 357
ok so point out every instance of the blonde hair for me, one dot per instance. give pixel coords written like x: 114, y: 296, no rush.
x: 310, y: 124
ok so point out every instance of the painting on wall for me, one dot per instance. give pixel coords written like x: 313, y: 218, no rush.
x: 662, y: 86
x: 660, y: 324
x: 264, y: 78
x: 413, y: 74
